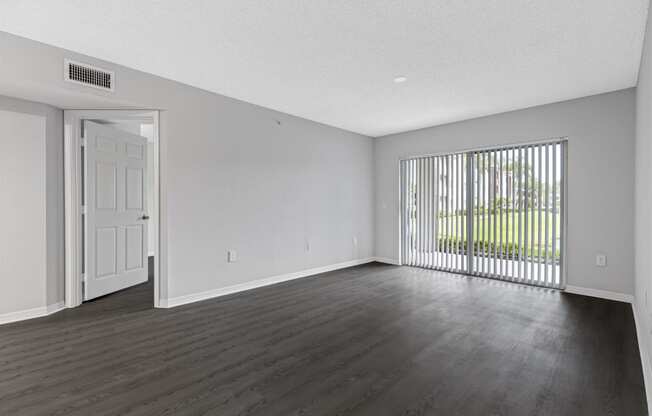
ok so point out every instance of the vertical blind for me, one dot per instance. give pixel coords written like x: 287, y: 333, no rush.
x: 495, y: 213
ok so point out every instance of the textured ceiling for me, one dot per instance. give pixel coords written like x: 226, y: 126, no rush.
x: 334, y: 61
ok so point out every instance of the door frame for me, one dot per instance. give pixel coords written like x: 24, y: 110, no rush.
x: 73, y: 181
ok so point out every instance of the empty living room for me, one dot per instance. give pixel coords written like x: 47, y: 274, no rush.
x: 328, y: 207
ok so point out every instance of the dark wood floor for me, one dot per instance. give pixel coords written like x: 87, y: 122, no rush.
x: 370, y: 340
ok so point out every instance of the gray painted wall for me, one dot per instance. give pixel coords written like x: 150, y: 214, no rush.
x: 600, y: 177
x: 643, y: 205
x: 234, y: 175
x: 238, y: 176
x: 38, y: 162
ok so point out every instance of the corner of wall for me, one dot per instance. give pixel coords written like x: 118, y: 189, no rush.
x: 642, y: 206
x: 640, y: 321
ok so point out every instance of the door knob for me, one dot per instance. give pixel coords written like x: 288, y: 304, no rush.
x: 144, y: 217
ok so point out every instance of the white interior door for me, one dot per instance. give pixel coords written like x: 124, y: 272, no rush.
x: 115, y: 249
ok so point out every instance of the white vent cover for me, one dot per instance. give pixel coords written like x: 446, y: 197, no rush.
x: 88, y: 75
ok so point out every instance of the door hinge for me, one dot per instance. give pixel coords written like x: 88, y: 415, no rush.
x: 84, y: 209
x: 84, y: 142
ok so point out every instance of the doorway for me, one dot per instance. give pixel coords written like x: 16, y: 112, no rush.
x: 497, y: 212
x: 111, y: 202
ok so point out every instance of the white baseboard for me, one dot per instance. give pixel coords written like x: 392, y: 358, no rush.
x: 642, y: 348
x: 387, y: 261
x: 223, y: 291
x: 31, y: 313
x: 597, y: 293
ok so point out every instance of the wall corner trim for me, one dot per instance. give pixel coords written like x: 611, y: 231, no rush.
x: 645, y: 358
x: 597, y: 293
x: 31, y: 313
x: 228, y: 290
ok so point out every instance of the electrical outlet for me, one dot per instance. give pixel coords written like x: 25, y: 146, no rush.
x: 307, y: 246
x: 601, y: 260
x: 355, y: 241
x: 232, y: 256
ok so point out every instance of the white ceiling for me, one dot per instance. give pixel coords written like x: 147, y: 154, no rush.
x: 333, y: 61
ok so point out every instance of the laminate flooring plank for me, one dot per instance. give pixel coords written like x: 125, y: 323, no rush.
x: 369, y: 340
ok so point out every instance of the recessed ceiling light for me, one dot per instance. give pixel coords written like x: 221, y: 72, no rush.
x: 400, y: 79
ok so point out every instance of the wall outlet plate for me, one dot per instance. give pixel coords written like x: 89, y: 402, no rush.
x: 601, y: 260
x: 232, y: 256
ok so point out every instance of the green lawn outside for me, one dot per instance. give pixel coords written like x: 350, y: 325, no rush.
x: 484, y: 231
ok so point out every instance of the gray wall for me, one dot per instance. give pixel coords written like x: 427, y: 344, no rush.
x: 600, y: 130
x: 643, y: 204
x: 37, y: 161
x: 238, y: 176
x: 232, y: 176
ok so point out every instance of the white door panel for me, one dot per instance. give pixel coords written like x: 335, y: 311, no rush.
x: 115, y: 220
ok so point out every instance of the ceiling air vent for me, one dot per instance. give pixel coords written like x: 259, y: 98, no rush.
x: 89, y: 75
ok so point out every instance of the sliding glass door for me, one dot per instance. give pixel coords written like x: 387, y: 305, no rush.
x: 496, y: 212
